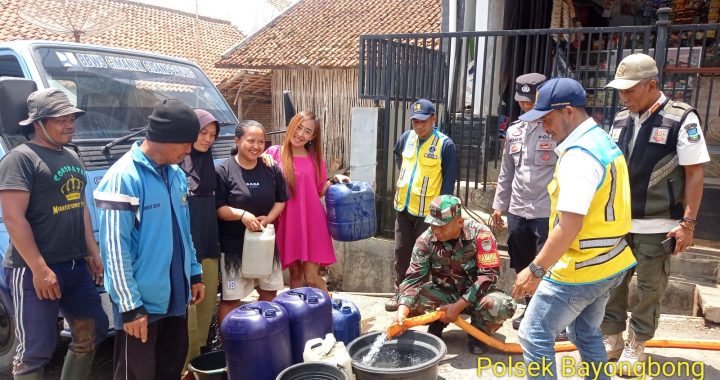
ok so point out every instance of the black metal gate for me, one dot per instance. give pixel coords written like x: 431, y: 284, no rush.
x: 470, y: 76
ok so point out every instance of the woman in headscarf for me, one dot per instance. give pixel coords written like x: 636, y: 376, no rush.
x: 200, y: 170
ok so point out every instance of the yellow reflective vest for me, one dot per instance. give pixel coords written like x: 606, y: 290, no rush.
x: 600, y: 250
x: 420, y: 177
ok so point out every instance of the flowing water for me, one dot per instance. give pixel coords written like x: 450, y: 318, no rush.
x: 374, y: 349
x: 392, y: 355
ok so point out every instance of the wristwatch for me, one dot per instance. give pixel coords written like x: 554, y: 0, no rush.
x: 536, y: 270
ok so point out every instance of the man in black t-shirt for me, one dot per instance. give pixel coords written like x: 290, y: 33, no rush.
x: 52, y: 247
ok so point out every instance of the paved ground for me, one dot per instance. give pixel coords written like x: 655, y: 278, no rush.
x: 459, y: 364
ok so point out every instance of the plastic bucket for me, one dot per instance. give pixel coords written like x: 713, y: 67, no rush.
x: 313, y: 371
x: 210, y: 366
x: 427, y: 346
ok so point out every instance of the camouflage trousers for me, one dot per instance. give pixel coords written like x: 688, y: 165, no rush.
x: 499, y: 306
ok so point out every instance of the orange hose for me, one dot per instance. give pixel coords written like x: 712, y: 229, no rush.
x: 424, y: 319
x: 515, y: 348
x: 697, y: 344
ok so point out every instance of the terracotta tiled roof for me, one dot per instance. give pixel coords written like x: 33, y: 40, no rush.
x: 149, y: 28
x: 324, y: 33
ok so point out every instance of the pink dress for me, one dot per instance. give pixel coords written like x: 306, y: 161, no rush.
x: 302, y: 231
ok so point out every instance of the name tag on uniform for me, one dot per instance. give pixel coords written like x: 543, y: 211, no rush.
x: 659, y: 135
x: 545, y: 145
x: 615, y: 134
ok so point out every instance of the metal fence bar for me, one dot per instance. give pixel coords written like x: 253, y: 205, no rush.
x: 397, y: 69
x: 472, y: 122
x: 661, y: 40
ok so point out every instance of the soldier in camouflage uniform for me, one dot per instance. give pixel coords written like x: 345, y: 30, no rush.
x: 454, y: 267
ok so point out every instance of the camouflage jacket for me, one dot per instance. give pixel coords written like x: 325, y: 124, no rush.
x: 471, y: 266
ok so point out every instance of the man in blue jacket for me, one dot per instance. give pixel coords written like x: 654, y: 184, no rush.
x: 150, y: 266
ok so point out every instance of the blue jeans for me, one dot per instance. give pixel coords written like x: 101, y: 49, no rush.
x: 556, y: 306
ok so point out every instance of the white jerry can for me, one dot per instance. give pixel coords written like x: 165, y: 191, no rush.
x: 330, y: 351
x: 258, y: 253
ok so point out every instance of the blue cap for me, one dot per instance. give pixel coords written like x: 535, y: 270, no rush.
x: 422, y: 109
x: 554, y: 94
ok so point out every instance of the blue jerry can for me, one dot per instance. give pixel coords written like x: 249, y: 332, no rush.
x: 309, y: 315
x: 256, y: 338
x: 351, y: 211
x: 346, y: 320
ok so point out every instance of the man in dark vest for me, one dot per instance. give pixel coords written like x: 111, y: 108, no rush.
x: 664, y: 147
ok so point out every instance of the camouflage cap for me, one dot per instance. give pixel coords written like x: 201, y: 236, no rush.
x: 443, y: 209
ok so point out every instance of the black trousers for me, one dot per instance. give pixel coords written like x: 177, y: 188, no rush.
x: 526, y: 238
x: 407, y: 229
x: 161, y: 357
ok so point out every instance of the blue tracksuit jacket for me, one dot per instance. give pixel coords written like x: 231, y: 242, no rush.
x: 136, y: 238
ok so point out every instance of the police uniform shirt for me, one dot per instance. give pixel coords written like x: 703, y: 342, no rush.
x: 528, y: 164
x: 691, y: 150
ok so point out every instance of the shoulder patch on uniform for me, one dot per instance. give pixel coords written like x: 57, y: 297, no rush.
x: 693, y: 133
x: 487, y: 254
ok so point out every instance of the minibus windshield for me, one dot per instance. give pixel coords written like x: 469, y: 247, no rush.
x: 117, y: 90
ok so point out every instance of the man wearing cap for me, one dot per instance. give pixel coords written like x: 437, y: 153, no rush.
x: 151, y: 269
x: 42, y: 191
x: 455, y: 266
x: 427, y: 162
x: 586, y: 254
x: 528, y: 163
x: 664, y: 146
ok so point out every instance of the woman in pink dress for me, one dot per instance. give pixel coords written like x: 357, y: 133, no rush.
x: 303, y: 238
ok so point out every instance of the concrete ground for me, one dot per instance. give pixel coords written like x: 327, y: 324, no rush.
x: 460, y: 364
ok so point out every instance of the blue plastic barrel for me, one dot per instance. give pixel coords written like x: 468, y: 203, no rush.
x: 309, y: 314
x: 256, y: 338
x: 351, y: 211
x: 346, y: 320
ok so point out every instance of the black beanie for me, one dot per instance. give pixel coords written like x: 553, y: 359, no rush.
x: 172, y: 121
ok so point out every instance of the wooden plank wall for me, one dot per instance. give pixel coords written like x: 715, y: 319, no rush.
x: 330, y: 94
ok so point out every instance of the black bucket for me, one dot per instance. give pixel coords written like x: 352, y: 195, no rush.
x: 210, y: 366
x: 313, y: 371
x: 427, y: 349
